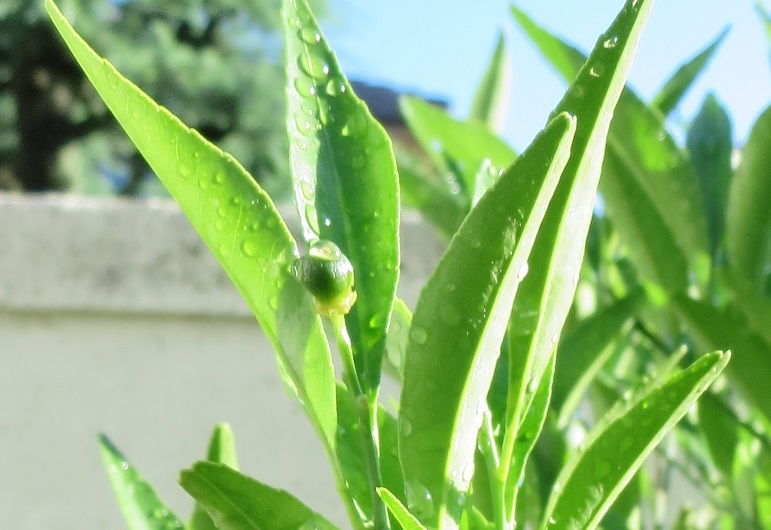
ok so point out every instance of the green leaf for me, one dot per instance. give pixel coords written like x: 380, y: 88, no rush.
x: 351, y: 457
x: 546, y: 294
x: 748, y: 217
x: 528, y: 432
x: 140, y: 505
x: 710, y: 327
x: 222, y: 449
x: 657, y: 255
x: 710, y: 145
x: 594, y: 477
x: 465, y: 144
x: 443, y: 209
x: 645, y: 152
x: 491, y: 98
x: 719, y: 428
x: 670, y: 95
x: 396, y: 341
x: 755, y: 307
x: 235, y: 218
x: 238, y: 502
x: 463, y: 311
x: 583, y: 353
x: 402, y: 514
x: 345, y: 181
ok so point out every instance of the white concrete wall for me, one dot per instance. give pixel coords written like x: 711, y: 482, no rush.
x: 115, y: 318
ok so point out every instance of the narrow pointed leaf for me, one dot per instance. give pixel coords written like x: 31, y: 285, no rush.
x: 345, y: 181
x: 402, y: 514
x: 235, y: 218
x: 437, y: 205
x: 222, y: 449
x: 458, y: 327
x: 140, y: 505
x: 657, y: 255
x: 466, y: 144
x: 491, y: 99
x: 396, y: 341
x: 582, y: 354
x: 710, y: 327
x: 710, y: 144
x: 594, y: 477
x: 748, y: 215
x: 351, y: 457
x: 670, y: 95
x: 755, y: 307
x: 646, y: 152
x: 238, y: 502
x: 547, y: 292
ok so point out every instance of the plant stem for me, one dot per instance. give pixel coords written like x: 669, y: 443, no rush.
x: 492, y: 461
x: 367, y: 420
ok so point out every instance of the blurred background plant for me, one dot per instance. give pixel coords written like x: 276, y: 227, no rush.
x: 216, y: 65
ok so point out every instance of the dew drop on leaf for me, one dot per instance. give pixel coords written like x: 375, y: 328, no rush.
x: 305, y: 87
x: 610, y: 42
x: 522, y: 272
x: 419, y: 499
x: 418, y: 335
x: 449, y: 315
x: 310, y: 35
x: 249, y: 248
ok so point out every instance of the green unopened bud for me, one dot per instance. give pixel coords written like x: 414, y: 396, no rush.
x: 327, y: 274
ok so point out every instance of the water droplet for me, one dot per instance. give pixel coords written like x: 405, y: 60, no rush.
x: 611, y: 42
x: 311, y: 218
x: 236, y: 201
x: 419, y: 499
x: 522, y: 272
x: 221, y: 212
x: 355, y: 126
x: 308, y: 189
x: 449, y: 315
x: 327, y: 222
x: 405, y: 427
x: 475, y: 243
x: 468, y: 473
x: 313, y: 65
x: 249, y: 248
x: 223, y: 249
x: 450, y: 287
x: 555, y: 338
x: 185, y: 170
x: 305, y: 86
x: 218, y: 178
x: 310, y: 35
x: 596, y: 70
x: 532, y: 386
x: 418, y: 335
x: 273, y: 302
x: 552, y: 521
x: 358, y: 161
x: 325, y: 114
x: 219, y: 225
x: 124, y: 465
x: 335, y: 87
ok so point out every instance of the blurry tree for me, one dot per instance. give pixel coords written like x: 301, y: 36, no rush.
x: 215, y: 64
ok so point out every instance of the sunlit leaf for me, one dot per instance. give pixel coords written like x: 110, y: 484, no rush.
x: 345, y: 181
x: 238, y: 502
x: 594, y: 476
x: 463, y: 310
x: 140, y: 505
x: 491, y: 98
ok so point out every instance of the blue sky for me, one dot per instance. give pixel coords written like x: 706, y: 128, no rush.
x: 440, y: 48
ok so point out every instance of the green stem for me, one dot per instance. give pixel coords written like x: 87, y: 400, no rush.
x: 492, y: 461
x: 367, y: 420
